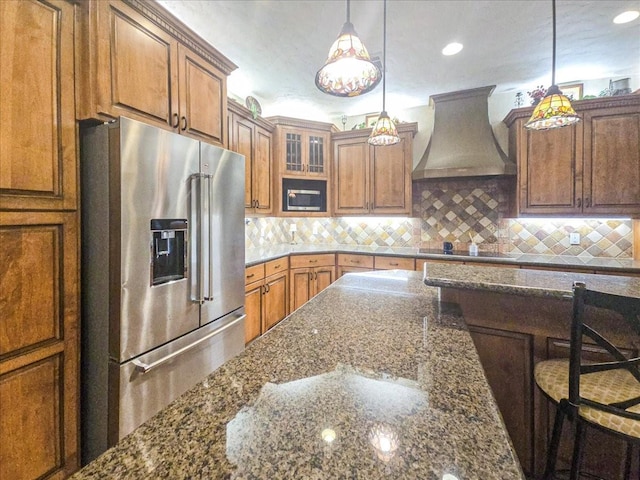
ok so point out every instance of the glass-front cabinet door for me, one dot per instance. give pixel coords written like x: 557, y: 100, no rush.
x: 305, y: 153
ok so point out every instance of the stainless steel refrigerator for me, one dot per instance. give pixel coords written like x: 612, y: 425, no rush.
x: 162, y: 272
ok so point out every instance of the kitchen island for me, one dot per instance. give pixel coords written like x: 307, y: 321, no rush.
x: 372, y: 378
x: 519, y: 317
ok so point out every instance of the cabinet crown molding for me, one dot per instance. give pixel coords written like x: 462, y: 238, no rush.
x: 302, y: 123
x: 239, y: 109
x: 161, y: 17
x: 580, y: 106
x: 411, y: 128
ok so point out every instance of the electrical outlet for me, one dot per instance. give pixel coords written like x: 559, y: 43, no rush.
x: 574, y: 238
x: 314, y: 229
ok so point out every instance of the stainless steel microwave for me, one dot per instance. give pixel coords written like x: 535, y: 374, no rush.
x: 304, y: 195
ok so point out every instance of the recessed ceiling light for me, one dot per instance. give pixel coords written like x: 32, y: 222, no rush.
x: 626, y: 17
x: 452, y: 49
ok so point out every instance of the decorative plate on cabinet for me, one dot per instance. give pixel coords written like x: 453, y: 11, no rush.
x: 253, y: 105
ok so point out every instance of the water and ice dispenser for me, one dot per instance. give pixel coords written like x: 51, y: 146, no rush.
x: 168, y: 250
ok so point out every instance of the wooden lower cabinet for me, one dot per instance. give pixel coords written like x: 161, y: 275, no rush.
x: 392, y: 263
x: 309, y: 275
x: 266, y: 299
x: 39, y: 350
x: 510, y: 377
x: 352, y: 263
x: 511, y: 334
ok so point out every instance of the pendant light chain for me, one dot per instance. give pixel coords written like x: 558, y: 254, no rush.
x: 553, y: 56
x: 384, y: 55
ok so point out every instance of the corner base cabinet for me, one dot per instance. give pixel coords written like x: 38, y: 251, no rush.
x: 590, y: 168
x: 309, y: 274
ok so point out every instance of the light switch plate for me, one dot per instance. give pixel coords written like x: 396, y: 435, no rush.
x: 574, y: 238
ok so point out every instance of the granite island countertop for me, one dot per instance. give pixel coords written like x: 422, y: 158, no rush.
x: 538, y: 283
x: 372, y: 378
x: 257, y: 255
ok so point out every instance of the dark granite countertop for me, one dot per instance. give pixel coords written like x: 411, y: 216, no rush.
x: 618, y: 265
x: 539, y: 283
x: 372, y: 378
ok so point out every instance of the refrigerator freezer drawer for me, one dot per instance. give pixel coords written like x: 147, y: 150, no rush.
x: 170, y: 371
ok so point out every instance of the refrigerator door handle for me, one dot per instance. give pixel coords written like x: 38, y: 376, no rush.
x: 197, y: 248
x: 147, y: 367
x: 210, y: 243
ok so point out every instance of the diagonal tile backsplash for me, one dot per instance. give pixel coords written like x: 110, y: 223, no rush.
x: 454, y: 210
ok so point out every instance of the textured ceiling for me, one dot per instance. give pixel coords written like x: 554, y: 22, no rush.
x: 279, y: 45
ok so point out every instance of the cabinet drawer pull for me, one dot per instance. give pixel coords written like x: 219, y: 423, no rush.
x: 355, y: 261
x: 252, y: 275
x: 313, y: 261
x: 184, y: 123
x: 393, y: 264
x: 176, y: 120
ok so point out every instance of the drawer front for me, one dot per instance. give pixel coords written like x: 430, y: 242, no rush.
x: 254, y: 273
x: 390, y: 263
x: 350, y: 260
x: 276, y: 266
x: 303, y: 261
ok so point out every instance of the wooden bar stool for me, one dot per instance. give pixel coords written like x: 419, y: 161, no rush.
x: 604, y: 395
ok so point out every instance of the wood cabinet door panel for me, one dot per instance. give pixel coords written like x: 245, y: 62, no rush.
x: 253, y: 309
x: 203, y: 98
x: 323, y: 277
x: 613, y: 156
x: 37, y: 139
x: 509, y: 376
x: 390, y: 187
x: 275, y: 302
x: 300, y: 282
x: 262, y: 171
x: 551, y: 171
x: 140, y: 63
x: 242, y: 143
x: 30, y: 286
x: 31, y: 420
x: 351, y: 177
x: 316, y: 158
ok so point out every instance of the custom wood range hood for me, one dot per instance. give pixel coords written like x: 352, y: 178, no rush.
x: 462, y: 143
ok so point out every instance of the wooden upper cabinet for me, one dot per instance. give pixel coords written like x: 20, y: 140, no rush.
x: 253, y: 139
x: 591, y: 168
x: 139, y: 61
x: 391, y: 177
x: 203, y: 98
x: 303, y: 153
x: 351, y: 174
x: 38, y: 167
x: 372, y: 180
x: 550, y: 170
x: 612, y: 161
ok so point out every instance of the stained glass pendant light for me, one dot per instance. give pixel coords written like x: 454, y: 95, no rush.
x: 384, y: 132
x: 554, y: 110
x: 348, y: 71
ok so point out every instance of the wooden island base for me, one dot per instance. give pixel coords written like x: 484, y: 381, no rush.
x: 512, y: 333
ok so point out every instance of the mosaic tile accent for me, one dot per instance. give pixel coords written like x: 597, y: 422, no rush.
x: 461, y: 210
x: 454, y: 210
